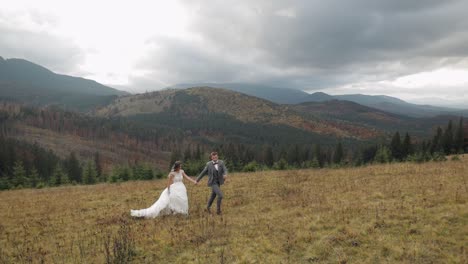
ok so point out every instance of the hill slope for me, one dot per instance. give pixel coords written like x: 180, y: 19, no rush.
x: 243, y: 116
x: 25, y: 81
x: 205, y: 104
x: 398, y: 213
x: 274, y: 94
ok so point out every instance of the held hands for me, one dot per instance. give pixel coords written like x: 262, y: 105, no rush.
x: 194, y: 182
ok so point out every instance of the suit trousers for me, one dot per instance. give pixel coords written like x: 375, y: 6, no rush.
x: 215, y: 191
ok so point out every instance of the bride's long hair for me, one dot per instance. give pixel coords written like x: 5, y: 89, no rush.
x: 176, y: 165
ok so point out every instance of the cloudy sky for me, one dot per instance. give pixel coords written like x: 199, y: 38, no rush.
x: 415, y: 50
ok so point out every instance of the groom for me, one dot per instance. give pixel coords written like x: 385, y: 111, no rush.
x: 217, y: 174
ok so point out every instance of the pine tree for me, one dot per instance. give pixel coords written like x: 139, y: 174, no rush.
x: 59, y: 176
x: 269, y: 160
x: 447, y: 138
x: 406, y: 148
x: 19, y: 175
x: 10, y: 159
x: 187, y: 154
x: 148, y: 173
x: 293, y: 155
x: 64, y: 179
x: 34, y: 177
x: 198, y: 153
x: 368, y: 153
x: 437, y: 145
x: 89, y: 173
x: 338, y: 154
x: 73, y: 168
x: 98, y: 164
x: 282, y: 154
x: 319, y: 155
x: 383, y: 155
x: 395, y: 146
x: 459, y: 137
x: 315, y: 163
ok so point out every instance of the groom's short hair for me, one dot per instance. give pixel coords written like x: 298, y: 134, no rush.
x: 213, y: 153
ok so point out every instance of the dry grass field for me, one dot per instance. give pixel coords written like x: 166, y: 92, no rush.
x: 395, y: 213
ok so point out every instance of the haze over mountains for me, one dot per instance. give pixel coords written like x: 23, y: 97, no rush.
x: 25, y: 81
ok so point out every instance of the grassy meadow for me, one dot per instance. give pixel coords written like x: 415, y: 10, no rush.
x: 392, y: 213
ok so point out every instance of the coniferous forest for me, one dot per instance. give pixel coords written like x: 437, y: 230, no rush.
x: 26, y: 165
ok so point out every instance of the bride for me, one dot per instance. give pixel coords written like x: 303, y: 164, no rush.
x: 173, y: 199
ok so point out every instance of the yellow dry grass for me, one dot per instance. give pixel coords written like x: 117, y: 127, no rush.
x: 396, y: 213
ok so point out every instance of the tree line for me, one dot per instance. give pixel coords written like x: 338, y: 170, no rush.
x: 29, y: 165
x: 24, y: 165
x: 241, y: 157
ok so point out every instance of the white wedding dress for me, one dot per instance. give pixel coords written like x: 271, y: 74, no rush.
x: 173, y: 202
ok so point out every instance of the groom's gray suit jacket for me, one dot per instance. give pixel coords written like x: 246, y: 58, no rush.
x: 211, y: 170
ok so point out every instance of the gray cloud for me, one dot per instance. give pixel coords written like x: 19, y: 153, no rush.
x: 52, y: 51
x: 313, y: 44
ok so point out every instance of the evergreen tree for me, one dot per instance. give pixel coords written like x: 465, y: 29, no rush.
x: 89, y: 173
x: 51, y: 161
x: 139, y: 172
x: 34, y: 177
x: 293, y: 155
x: 187, y: 154
x: 98, y: 164
x: 383, y: 155
x: 4, y: 183
x: 59, y: 176
x: 407, y: 148
x: 315, y: 163
x: 73, y: 168
x: 10, y: 159
x: 19, y: 175
x: 368, y: 153
x: 447, y: 138
x: 120, y: 174
x: 148, y: 173
x: 198, y: 153
x: 269, y: 160
x: 319, y: 155
x: 459, y: 137
x: 282, y: 154
x: 436, y: 145
x: 395, y: 146
x: 338, y: 154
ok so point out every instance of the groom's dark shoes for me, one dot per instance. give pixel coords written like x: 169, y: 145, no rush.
x: 208, y: 210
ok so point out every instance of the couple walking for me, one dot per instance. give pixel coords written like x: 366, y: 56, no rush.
x: 174, y: 198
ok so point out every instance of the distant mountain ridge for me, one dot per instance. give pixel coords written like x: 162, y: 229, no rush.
x: 293, y: 96
x: 25, y: 81
x: 398, y: 106
x: 202, y: 110
x: 202, y: 104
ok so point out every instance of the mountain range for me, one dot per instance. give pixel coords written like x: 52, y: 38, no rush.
x: 293, y: 96
x: 24, y: 81
x: 92, y: 117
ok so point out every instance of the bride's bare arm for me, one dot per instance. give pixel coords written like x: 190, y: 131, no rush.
x: 188, y: 178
